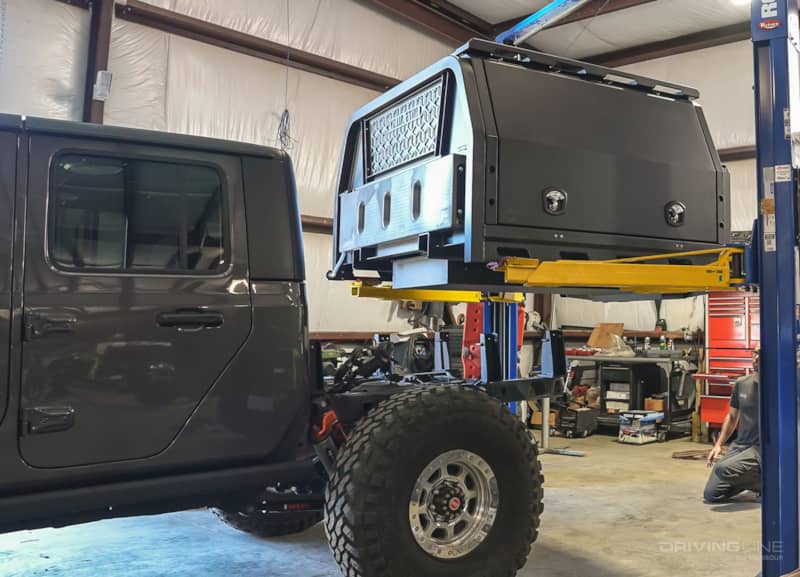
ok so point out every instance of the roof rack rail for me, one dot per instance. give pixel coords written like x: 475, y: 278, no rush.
x: 584, y: 70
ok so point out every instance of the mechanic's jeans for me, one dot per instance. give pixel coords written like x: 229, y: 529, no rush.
x: 739, y: 470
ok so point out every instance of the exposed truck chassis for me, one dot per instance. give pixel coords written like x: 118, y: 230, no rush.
x: 338, y: 411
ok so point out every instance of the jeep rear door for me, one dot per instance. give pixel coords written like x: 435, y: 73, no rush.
x: 136, y: 295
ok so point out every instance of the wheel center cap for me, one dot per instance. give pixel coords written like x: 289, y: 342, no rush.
x: 455, y: 504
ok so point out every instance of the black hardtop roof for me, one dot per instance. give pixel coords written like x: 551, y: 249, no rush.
x: 35, y: 125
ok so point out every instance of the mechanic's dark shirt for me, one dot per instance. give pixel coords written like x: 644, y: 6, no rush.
x: 745, y: 397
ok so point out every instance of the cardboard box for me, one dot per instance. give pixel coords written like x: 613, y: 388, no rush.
x: 617, y: 406
x: 656, y: 405
x: 602, y: 333
x: 577, y: 403
x: 536, y: 419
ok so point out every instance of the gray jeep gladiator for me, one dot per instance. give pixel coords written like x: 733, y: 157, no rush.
x: 154, y: 309
x: 158, y: 359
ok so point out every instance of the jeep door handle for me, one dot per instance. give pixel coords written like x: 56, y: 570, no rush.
x: 39, y: 325
x: 40, y: 420
x: 191, y: 319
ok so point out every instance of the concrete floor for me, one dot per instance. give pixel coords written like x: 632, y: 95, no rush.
x: 622, y: 511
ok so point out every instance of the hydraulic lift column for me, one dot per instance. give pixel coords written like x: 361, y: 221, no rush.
x: 775, y: 35
x: 500, y: 318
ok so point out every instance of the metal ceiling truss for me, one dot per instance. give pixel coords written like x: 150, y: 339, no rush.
x: 672, y: 46
x: 440, y: 17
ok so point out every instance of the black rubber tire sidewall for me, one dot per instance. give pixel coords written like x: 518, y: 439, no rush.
x: 401, y: 446
x: 512, y: 516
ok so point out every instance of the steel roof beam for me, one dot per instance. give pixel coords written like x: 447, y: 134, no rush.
x: 440, y: 17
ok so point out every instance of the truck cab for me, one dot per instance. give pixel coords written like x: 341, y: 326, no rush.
x: 155, y: 358
x: 153, y: 323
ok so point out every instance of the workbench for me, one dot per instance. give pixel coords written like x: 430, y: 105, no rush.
x: 675, y: 420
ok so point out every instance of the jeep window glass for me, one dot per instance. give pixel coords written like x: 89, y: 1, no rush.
x: 136, y: 215
x: 88, y: 228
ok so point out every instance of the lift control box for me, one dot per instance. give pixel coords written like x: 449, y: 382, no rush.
x: 497, y: 151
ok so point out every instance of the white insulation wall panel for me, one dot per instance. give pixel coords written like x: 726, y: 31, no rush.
x: 648, y: 22
x: 43, y: 51
x: 138, y: 62
x: 684, y: 313
x: 345, y: 30
x: 744, y: 197
x: 496, y: 11
x: 638, y: 315
x: 331, y: 308
x: 167, y: 82
x: 213, y: 92
x: 724, y: 77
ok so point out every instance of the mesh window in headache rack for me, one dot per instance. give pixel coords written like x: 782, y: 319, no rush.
x: 407, y: 131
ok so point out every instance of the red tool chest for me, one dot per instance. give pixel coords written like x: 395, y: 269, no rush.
x: 733, y: 326
x: 733, y: 321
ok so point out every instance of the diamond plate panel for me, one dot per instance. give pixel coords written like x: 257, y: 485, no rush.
x: 407, y: 131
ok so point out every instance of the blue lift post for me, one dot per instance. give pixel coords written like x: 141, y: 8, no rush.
x: 513, y: 347
x: 774, y: 32
x: 501, y: 319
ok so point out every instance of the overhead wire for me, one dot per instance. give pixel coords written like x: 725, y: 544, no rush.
x: 285, y: 124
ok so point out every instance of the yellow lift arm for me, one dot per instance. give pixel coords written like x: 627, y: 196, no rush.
x: 386, y: 292
x: 638, y: 275
x: 633, y: 275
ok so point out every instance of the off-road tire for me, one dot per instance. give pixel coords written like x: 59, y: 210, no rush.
x: 268, y: 525
x: 367, y: 499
